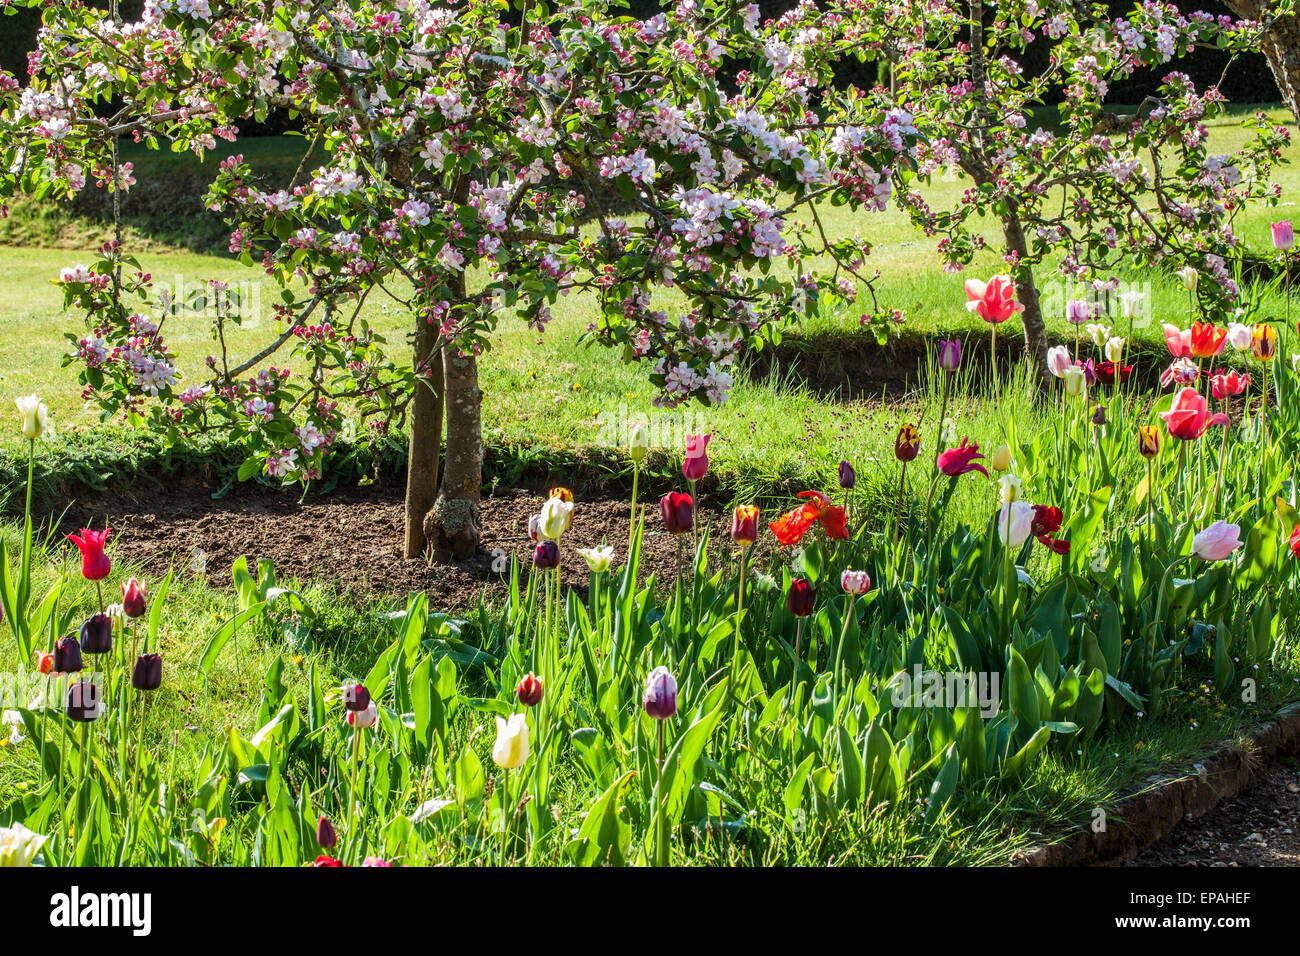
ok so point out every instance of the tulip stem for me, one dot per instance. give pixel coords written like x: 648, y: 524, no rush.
x: 353, y: 836
x: 798, y: 644
x: 631, y: 532
x: 505, y: 810
x: 740, y: 611
x: 898, y: 510
x: 661, y: 840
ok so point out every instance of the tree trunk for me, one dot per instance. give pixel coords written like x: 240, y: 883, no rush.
x: 1280, y: 46
x: 452, y: 525
x: 425, y: 443
x: 1026, y: 295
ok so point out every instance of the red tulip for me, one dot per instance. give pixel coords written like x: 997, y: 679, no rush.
x: 1108, y: 372
x: 961, y: 460
x: 744, y: 525
x: 1047, y: 521
x: 1207, y: 340
x: 1190, y: 417
x: 1225, y: 385
x: 529, y: 690
x: 95, y: 564
x: 994, y: 301
x: 133, y: 598
x: 801, y: 598
x: 695, y: 465
x: 678, y: 511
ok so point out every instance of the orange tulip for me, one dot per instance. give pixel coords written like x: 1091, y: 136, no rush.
x: 1207, y: 339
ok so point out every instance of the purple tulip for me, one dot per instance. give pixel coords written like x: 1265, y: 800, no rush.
x: 546, y: 555
x: 660, y: 697
x: 1283, y: 235
x: 147, y: 673
x: 848, y: 477
x: 950, y: 355
x: 67, y: 655
x: 97, y: 634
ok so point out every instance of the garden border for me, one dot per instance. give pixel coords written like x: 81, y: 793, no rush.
x: 1144, y: 818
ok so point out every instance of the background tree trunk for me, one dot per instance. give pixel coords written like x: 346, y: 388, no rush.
x: 452, y: 525
x: 1280, y: 46
x: 425, y: 444
x: 1027, y: 295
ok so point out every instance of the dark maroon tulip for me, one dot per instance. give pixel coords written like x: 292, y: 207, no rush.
x: 147, y: 673
x: 356, y: 697
x: 67, y: 655
x: 678, y: 512
x: 1099, y: 416
x: 83, y: 703
x: 529, y: 690
x: 848, y: 477
x: 801, y: 597
x: 546, y: 555
x: 326, y: 836
x: 97, y: 634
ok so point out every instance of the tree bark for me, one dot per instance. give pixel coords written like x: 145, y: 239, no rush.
x: 1027, y: 295
x: 452, y: 525
x: 425, y: 443
x: 1280, y: 46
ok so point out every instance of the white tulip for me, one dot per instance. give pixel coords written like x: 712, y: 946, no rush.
x: 598, y: 559
x: 511, y: 747
x: 19, y: 845
x: 34, y: 416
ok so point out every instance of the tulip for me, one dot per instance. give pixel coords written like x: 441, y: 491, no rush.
x: 993, y: 301
x: 133, y: 598
x: 1058, y: 360
x: 1283, y: 235
x: 660, y: 696
x: 1179, y: 341
x: 1098, y: 333
x: 67, y: 655
x: 95, y: 564
x: 356, y: 697
x: 801, y: 597
x: 83, y: 703
x: 744, y: 525
x: 375, y: 861
x: 949, y: 355
x: 326, y: 836
x: 34, y: 416
x: 1131, y: 303
x: 1295, y: 541
x: 960, y: 461
x: 696, y: 463
x: 1206, y: 340
x: 564, y: 494
x: 1189, y: 277
x: 856, y: 583
x: 1182, y: 370
x: 638, y: 444
x: 1114, y: 348
x: 364, y: 719
x: 1078, y: 311
x: 1227, y: 384
x: 1076, y: 380
x: 1149, y: 441
x: 556, y: 518
x: 529, y: 691
x: 147, y: 673
x: 327, y: 861
x: 678, y: 511
x: 46, y: 664
x: 1009, y: 488
x: 1089, y: 371
x: 19, y: 846
x: 1189, y: 417
x: 97, y: 634
x: 546, y: 555
x: 598, y: 559
x: 907, y: 443
x: 1015, y: 522
x: 1099, y: 415
x: 1217, y: 541
x: 511, y: 747
x: 848, y: 477
x: 1263, y: 342
x: 1046, y: 521
x: 793, y: 525
x: 535, y: 528
x: 1001, y: 460
x: 1239, y: 336
x: 1108, y: 372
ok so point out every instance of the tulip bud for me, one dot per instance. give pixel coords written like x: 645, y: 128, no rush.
x: 147, y: 673
x: 34, y: 416
x: 356, y: 697
x: 1075, y: 381
x: 1149, y: 441
x: 638, y: 445
x: 1114, y: 348
x: 1189, y: 277
x: 556, y: 517
x: 907, y: 443
x: 546, y: 555
x: 598, y: 559
x: 1001, y: 460
x: 848, y: 477
x: 535, y: 528
x: 530, y: 691
x: 950, y: 355
x: 660, y: 696
x: 1099, y: 415
x: 678, y: 512
x: 326, y: 836
x: 97, y: 634
x: 133, y: 598
x: 83, y: 703
x: 744, y: 525
x: 695, y: 465
x: 1283, y: 235
x: 801, y: 597
x: 67, y: 655
x: 855, y: 582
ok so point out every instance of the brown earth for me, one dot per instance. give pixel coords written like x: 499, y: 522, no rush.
x: 353, y: 538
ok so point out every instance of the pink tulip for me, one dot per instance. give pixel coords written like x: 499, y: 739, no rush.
x: 1178, y: 340
x: 95, y: 564
x: 1283, y: 235
x: 993, y: 301
x: 1058, y: 360
x: 1225, y: 385
x: 1190, y: 417
x: 855, y: 582
x: 696, y: 463
x: 1217, y: 541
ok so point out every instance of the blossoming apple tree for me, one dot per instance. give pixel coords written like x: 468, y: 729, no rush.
x: 467, y: 169
x: 1090, y: 190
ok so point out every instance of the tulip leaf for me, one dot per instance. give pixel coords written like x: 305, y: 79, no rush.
x: 1259, y: 557
x: 605, y: 834
x: 224, y: 633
